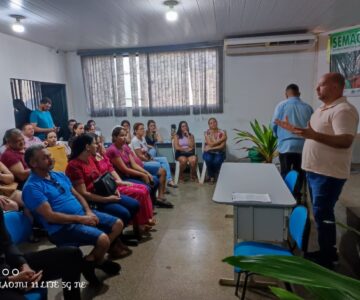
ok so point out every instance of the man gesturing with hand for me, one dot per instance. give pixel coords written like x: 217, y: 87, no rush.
x: 326, y: 158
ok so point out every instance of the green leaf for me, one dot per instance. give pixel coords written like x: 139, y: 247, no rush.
x: 284, y: 294
x: 326, y: 294
x: 263, y: 138
x: 298, y: 270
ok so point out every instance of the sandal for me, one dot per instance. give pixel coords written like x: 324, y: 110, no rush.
x: 109, y: 267
x: 116, y: 252
x: 172, y: 184
x: 164, y: 204
x: 152, y: 222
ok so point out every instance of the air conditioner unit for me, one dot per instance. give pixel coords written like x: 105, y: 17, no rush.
x: 269, y: 44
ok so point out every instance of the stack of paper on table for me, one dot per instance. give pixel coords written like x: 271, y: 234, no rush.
x: 244, y: 197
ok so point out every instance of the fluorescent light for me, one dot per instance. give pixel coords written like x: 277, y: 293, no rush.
x: 16, y: 4
x: 171, y: 15
x: 18, y: 27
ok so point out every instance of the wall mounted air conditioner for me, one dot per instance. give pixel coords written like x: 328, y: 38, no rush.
x: 269, y: 44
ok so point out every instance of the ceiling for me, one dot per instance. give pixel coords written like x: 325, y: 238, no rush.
x: 94, y: 24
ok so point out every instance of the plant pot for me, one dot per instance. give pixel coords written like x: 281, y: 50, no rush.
x: 255, y: 156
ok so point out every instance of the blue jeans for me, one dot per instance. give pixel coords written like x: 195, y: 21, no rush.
x: 152, y: 151
x: 213, y: 162
x: 165, y: 165
x: 125, y: 209
x: 152, y: 167
x: 324, y: 192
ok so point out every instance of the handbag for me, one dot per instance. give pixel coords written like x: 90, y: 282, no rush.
x: 105, y: 185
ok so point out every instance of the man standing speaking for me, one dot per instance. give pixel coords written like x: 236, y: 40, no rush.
x: 327, y: 158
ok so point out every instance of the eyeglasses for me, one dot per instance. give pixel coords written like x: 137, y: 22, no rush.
x: 57, y: 185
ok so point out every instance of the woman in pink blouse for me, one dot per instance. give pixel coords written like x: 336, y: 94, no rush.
x: 131, y: 168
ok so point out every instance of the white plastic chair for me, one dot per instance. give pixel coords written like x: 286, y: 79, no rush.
x: 203, y: 171
x: 177, y: 166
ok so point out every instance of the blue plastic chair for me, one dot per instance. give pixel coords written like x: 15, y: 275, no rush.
x: 299, y: 228
x: 290, y: 179
x: 19, y: 228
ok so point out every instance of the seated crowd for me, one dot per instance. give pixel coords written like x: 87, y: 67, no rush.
x: 81, y: 193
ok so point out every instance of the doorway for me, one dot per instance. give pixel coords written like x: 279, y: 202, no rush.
x: 27, y: 95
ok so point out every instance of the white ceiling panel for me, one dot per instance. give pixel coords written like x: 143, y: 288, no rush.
x: 95, y: 24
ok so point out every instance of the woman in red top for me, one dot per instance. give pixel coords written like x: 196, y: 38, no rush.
x: 137, y: 191
x: 83, y: 171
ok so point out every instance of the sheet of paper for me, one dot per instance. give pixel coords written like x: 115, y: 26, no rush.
x: 243, y: 197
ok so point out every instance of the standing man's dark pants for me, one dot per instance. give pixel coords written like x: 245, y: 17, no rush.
x: 324, y: 192
x: 292, y: 161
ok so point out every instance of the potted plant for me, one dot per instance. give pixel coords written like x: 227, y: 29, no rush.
x: 265, y: 142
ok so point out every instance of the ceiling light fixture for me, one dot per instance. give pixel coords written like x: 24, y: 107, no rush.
x: 17, y: 26
x: 171, y: 15
x: 16, y: 4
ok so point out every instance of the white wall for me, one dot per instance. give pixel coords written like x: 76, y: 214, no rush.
x: 253, y: 85
x: 25, y: 60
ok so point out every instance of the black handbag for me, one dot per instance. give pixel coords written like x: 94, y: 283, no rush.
x: 105, y: 185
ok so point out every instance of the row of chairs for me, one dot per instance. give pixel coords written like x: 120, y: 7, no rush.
x: 299, y: 229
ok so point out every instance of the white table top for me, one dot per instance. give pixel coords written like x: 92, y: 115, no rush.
x: 256, y: 178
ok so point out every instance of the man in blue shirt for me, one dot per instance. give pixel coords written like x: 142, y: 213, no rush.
x: 41, y: 119
x: 290, y: 145
x: 66, y: 216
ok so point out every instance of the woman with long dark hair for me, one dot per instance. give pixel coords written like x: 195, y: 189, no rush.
x: 78, y: 129
x: 156, y: 165
x: 184, y: 143
x: 131, y: 167
x: 126, y: 125
x: 82, y: 172
x: 144, y: 220
x: 152, y: 137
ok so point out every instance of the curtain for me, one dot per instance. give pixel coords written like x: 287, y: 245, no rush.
x: 205, y: 81
x: 104, y: 85
x: 119, y: 87
x: 26, y: 90
x: 135, y: 73
x: 167, y: 84
x: 161, y: 84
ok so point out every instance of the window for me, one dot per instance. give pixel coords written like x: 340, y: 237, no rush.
x: 28, y: 91
x: 164, y: 83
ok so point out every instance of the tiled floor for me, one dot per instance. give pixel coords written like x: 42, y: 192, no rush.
x: 183, y: 258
